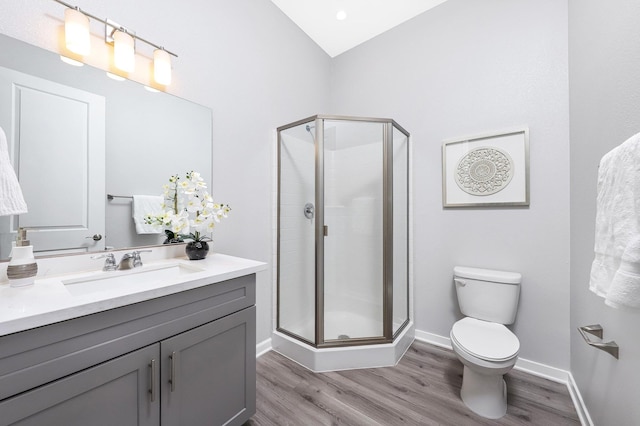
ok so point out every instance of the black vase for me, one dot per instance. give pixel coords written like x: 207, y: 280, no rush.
x: 197, y: 250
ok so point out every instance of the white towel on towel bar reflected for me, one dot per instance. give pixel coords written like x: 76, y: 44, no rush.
x: 615, y: 273
x: 142, y: 206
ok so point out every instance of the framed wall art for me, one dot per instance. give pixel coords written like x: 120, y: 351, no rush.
x: 486, y: 170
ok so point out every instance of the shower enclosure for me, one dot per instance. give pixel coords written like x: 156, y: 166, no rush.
x: 343, y: 231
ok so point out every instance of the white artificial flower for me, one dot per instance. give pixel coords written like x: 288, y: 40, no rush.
x: 188, y: 207
x: 222, y: 212
x: 193, y: 205
x: 180, y: 223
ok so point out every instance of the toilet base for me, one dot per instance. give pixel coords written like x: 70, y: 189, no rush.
x: 484, y: 394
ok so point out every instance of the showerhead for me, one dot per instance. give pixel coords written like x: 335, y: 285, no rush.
x: 308, y: 127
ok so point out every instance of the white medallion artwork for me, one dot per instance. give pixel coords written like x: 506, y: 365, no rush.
x: 484, y: 171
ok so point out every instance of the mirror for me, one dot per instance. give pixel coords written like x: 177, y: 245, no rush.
x: 76, y: 136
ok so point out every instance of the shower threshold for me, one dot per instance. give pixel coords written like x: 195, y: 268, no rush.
x: 344, y: 358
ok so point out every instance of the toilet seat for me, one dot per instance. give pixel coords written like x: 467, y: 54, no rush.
x: 485, y: 340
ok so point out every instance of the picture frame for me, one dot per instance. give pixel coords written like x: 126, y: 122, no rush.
x: 487, y: 170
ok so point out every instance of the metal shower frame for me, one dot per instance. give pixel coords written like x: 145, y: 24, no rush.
x: 387, y: 142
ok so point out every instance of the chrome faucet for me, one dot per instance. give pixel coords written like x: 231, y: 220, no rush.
x: 128, y: 261
x: 109, y: 263
x: 131, y: 260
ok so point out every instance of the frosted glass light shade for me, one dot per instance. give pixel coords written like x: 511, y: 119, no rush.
x: 76, y: 32
x: 161, y: 67
x: 123, y: 52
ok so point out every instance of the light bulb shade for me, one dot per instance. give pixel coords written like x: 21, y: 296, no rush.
x: 76, y: 32
x: 123, y: 52
x: 161, y: 67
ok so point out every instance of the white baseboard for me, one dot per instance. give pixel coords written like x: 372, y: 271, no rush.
x: 434, y: 339
x: 578, y: 402
x: 263, y: 347
x: 542, y: 370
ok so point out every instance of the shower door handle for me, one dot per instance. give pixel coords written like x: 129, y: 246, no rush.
x: 325, y: 230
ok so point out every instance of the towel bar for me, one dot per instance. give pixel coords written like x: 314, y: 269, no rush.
x: 111, y: 197
x: 596, y: 329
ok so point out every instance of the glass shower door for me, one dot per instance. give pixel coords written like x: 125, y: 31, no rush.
x: 296, y: 231
x: 353, y: 241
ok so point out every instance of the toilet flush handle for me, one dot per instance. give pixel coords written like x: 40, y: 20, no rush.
x: 460, y: 282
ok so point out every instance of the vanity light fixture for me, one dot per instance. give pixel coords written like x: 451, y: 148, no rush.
x: 123, y: 40
x: 161, y: 67
x: 124, y: 52
x: 76, y: 32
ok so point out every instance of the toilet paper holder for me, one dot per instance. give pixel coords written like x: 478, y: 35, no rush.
x: 596, y: 329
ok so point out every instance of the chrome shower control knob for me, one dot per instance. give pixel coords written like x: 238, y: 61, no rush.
x: 309, y: 210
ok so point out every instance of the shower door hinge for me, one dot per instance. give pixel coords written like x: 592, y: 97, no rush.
x: 326, y: 230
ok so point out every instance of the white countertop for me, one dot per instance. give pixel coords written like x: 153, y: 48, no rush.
x: 49, y: 300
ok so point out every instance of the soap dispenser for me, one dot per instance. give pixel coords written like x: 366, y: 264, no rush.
x: 22, y: 267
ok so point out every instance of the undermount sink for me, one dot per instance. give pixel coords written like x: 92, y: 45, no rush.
x: 143, y: 278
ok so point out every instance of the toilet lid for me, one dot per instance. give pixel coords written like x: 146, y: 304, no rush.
x: 486, y: 340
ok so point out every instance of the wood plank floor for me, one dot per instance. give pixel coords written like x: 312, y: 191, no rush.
x: 423, y: 389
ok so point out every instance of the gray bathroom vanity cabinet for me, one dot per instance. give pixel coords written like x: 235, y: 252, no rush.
x: 186, y: 358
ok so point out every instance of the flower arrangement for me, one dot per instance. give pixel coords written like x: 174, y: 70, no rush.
x: 189, y: 210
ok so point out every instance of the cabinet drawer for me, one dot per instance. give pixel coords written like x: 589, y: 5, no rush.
x: 34, y: 357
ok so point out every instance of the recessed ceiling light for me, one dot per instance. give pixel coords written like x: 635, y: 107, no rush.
x: 341, y: 15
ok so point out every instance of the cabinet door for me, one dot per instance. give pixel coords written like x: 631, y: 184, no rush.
x: 209, y: 373
x: 117, y: 392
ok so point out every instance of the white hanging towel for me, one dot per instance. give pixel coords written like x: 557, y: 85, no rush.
x: 11, y: 199
x: 625, y: 287
x: 144, y: 205
x: 615, y: 273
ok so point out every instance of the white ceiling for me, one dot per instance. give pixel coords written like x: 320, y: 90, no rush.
x: 365, y: 19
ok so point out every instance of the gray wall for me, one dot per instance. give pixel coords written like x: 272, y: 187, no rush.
x: 464, y: 68
x: 246, y: 61
x: 604, y: 64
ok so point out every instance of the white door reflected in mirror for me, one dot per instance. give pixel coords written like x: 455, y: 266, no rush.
x: 57, y: 137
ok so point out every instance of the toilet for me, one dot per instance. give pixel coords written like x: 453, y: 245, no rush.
x: 488, y: 350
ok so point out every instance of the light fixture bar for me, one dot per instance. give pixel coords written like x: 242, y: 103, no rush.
x: 104, y: 21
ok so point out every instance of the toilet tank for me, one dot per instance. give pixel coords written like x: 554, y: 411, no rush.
x: 487, y: 294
